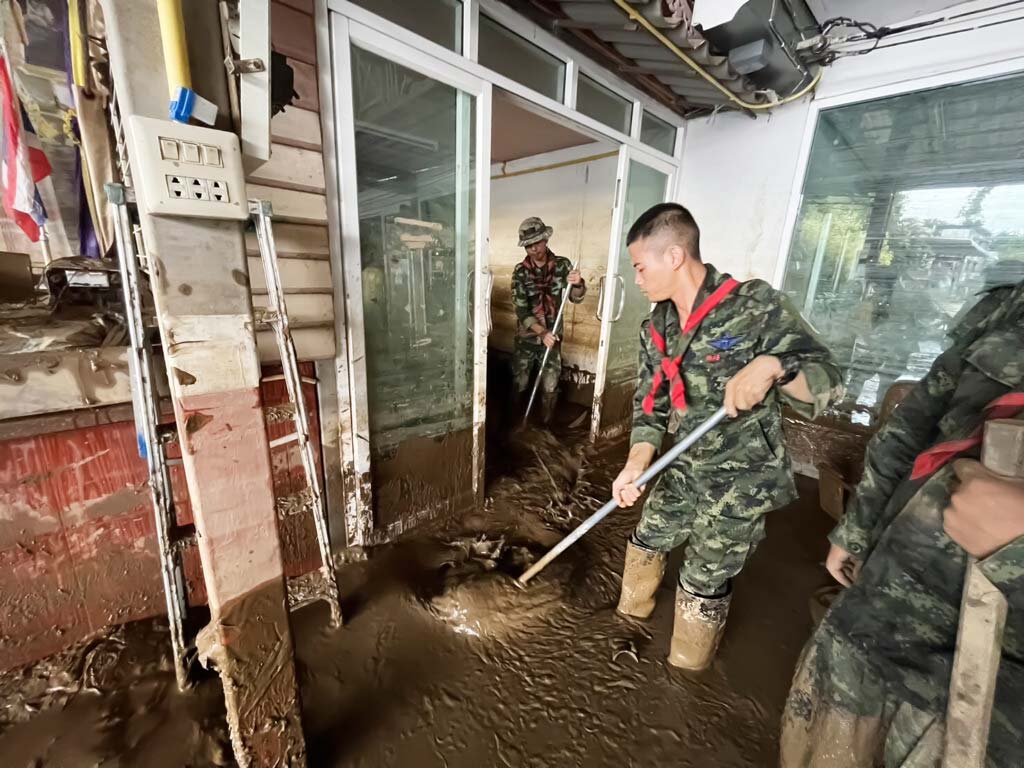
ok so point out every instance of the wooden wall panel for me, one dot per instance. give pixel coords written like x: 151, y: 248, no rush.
x: 292, y: 168
x: 292, y: 205
x: 294, y: 241
x: 296, y: 127
x: 297, y: 276
x: 77, y: 537
x: 291, y: 32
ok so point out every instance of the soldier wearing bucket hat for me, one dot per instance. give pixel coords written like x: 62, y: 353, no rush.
x: 538, y: 283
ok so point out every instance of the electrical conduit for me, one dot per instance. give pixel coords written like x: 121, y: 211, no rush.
x: 172, y: 36
x: 639, y: 18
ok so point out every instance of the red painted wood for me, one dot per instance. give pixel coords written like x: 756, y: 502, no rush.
x: 77, y: 539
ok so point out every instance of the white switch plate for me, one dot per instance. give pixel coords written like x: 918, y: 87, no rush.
x: 167, y: 184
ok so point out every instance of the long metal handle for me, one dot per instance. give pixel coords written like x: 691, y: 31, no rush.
x: 979, y: 639
x: 490, y: 292
x: 146, y: 407
x: 651, y: 472
x: 600, y: 299
x: 622, y: 300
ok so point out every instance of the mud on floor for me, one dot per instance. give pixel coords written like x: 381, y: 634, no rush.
x: 444, y: 662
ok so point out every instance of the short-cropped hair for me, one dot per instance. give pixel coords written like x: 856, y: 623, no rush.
x: 673, y: 217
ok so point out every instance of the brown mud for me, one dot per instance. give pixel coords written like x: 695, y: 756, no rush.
x: 443, y: 661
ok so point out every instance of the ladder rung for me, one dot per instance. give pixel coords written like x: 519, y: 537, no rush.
x: 294, y: 503
x: 280, y: 377
x: 174, y: 462
x: 293, y: 437
x: 183, y: 537
x: 307, y: 588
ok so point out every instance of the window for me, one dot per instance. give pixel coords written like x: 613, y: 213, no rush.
x: 911, y: 206
x: 603, y: 104
x: 657, y: 133
x: 518, y: 59
x: 439, y: 21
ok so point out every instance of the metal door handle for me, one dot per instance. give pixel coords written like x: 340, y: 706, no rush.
x: 622, y: 301
x: 600, y: 300
x: 489, y: 290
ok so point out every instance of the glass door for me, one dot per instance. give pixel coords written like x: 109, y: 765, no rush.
x: 413, y: 140
x: 642, y: 182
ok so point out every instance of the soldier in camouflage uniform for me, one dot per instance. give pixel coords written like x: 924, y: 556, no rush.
x: 709, y: 340
x: 872, y: 684
x: 538, y: 283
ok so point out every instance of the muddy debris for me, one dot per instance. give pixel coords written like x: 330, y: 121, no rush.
x: 478, y: 594
x: 443, y: 662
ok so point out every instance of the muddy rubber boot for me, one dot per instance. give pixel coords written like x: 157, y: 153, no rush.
x: 698, y: 628
x: 547, y: 407
x: 641, y: 575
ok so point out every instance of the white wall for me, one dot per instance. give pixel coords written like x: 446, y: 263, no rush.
x: 739, y: 174
x: 576, y: 200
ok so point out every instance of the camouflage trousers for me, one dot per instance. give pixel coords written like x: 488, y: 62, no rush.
x: 719, y: 519
x: 526, y: 360
x: 839, y: 714
x: 871, y: 687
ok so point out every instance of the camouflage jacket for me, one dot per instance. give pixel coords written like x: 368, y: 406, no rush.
x: 904, y: 607
x: 753, y: 320
x: 527, y: 295
x: 984, y: 361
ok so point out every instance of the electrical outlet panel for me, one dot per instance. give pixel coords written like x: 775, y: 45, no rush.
x: 186, y: 170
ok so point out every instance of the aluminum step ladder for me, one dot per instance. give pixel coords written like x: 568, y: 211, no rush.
x: 152, y: 437
x: 321, y: 585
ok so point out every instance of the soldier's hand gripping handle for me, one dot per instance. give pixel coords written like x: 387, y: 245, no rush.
x: 624, y: 488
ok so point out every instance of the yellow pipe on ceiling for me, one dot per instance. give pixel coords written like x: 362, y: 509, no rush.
x: 643, y: 21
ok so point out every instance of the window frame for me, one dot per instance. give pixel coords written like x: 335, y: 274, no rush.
x: 819, y: 105
x: 531, y: 32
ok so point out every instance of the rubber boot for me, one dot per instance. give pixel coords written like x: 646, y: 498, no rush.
x: 547, y: 407
x: 641, y: 575
x: 698, y: 628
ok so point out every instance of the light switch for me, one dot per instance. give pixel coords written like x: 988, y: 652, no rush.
x: 211, y: 156
x: 190, y: 152
x: 168, y: 149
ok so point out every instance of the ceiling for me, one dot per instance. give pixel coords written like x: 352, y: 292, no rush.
x: 518, y: 132
x: 602, y: 31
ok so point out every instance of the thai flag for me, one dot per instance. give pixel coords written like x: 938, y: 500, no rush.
x: 22, y: 164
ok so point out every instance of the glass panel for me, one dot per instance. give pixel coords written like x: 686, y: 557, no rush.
x: 911, y: 205
x: 518, y: 59
x: 657, y: 133
x: 644, y: 187
x: 439, y: 21
x: 603, y: 104
x: 415, y: 160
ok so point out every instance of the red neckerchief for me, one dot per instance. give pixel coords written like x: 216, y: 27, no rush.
x: 669, y: 367
x: 545, y: 305
x: 935, y: 458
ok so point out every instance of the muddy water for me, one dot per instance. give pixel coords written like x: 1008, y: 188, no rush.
x: 444, y: 662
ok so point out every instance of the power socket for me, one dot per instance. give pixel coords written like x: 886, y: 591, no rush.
x: 219, y: 191
x: 176, y: 187
x: 198, y: 189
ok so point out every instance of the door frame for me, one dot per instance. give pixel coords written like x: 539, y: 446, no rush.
x: 344, y: 33
x: 607, y: 310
